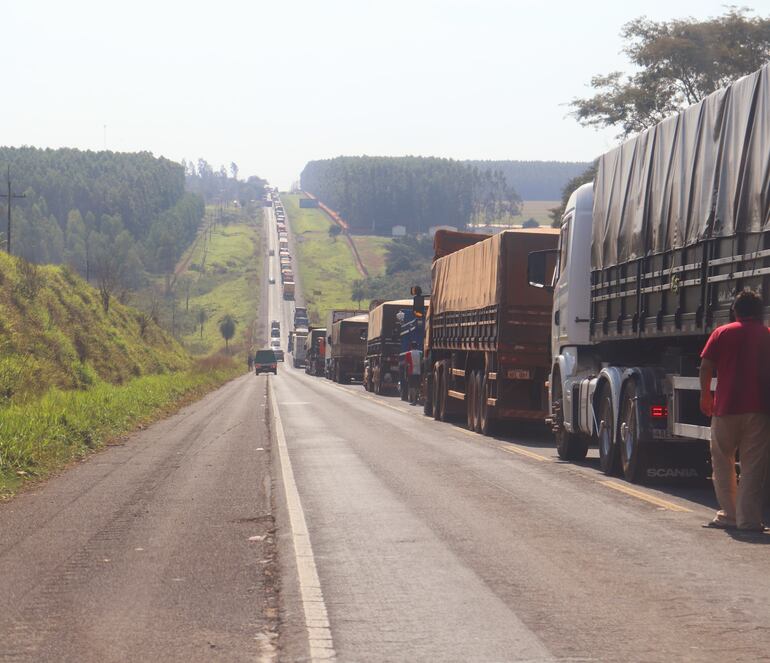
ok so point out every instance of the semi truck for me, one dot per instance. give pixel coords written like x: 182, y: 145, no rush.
x: 348, y: 348
x: 316, y: 351
x: 487, y: 354
x: 383, y: 346
x: 332, y: 317
x: 300, y: 316
x: 288, y: 290
x: 650, y: 257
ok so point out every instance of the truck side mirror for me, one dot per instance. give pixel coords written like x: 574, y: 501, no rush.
x: 363, y: 335
x: 537, y: 269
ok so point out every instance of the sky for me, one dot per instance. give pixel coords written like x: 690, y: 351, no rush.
x: 273, y: 84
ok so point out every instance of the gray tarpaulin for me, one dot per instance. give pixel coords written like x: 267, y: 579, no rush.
x: 702, y: 173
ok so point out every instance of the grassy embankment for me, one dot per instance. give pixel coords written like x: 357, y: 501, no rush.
x: 225, y: 271
x: 72, y: 376
x: 326, y: 265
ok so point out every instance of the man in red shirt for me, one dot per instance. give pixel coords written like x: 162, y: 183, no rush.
x: 740, y: 419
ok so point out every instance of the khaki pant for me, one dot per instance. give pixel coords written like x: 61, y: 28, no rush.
x: 749, y: 435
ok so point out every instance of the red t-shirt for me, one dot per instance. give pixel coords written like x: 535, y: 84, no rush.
x: 740, y: 352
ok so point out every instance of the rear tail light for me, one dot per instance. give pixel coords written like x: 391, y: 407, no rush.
x: 659, y: 411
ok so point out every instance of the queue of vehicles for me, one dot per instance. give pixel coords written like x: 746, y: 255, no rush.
x: 596, y: 327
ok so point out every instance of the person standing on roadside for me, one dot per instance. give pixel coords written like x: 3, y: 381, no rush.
x: 740, y: 418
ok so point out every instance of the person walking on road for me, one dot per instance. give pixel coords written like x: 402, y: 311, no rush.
x: 251, y: 362
x: 413, y: 372
x: 740, y: 418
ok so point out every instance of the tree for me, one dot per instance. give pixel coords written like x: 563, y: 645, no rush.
x: 227, y: 329
x: 677, y: 64
x: 201, y: 318
x: 358, y: 291
x: 569, y: 187
x: 530, y: 223
x: 334, y: 231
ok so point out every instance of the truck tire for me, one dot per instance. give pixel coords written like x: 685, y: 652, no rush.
x: 403, y: 386
x: 487, y: 423
x: 337, y: 373
x: 479, y: 387
x: 471, y: 404
x: 438, y: 387
x: 569, y: 446
x: 608, y: 447
x: 634, y: 456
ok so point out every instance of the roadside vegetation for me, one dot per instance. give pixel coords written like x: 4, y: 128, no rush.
x: 326, y: 264
x: 39, y: 436
x: 220, y: 275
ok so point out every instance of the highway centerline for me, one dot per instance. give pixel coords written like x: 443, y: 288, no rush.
x: 316, y: 617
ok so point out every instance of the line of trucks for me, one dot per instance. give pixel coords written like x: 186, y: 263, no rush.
x: 284, y: 256
x: 594, y: 327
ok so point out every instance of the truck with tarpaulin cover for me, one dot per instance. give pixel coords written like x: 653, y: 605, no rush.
x: 651, y: 255
x: 383, y: 345
x: 299, y: 352
x: 348, y: 348
x: 487, y: 354
x: 334, y: 316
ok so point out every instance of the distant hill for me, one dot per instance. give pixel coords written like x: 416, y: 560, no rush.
x: 54, y: 332
x: 535, y: 180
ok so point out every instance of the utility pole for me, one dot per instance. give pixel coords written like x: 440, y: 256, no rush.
x: 10, y: 196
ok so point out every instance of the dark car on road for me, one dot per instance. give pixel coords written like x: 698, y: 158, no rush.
x: 265, y: 362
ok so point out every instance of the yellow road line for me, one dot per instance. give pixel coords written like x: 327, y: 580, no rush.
x: 512, y: 449
x: 651, y: 499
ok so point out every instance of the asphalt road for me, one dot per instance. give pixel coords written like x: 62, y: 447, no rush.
x: 147, y: 551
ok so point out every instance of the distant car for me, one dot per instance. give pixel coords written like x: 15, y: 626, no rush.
x: 271, y: 252
x: 271, y: 280
x: 278, y: 354
x: 275, y: 346
x: 265, y: 361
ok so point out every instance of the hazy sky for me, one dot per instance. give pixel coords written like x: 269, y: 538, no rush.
x: 271, y: 85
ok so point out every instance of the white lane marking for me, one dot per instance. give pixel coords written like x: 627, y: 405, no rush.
x: 316, y: 618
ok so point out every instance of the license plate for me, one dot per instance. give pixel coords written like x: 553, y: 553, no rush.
x: 518, y: 374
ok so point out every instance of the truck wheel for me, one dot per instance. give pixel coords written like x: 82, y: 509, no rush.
x: 403, y: 386
x: 427, y: 397
x: 479, y: 389
x: 568, y: 445
x: 608, y: 448
x: 633, y: 451
x: 470, y: 400
x: 487, y: 423
x: 438, y: 387
x: 337, y: 374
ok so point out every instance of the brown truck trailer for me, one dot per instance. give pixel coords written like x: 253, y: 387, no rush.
x: 347, y: 343
x: 487, y: 341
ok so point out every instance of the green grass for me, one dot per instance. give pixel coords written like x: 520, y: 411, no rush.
x: 40, y: 436
x: 54, y: 332
x: 372, y: 250
x: 223, y: 274
x: 327, y: 268
x: 229, y: 283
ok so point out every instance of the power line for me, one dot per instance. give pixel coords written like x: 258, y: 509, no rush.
x: 10, y: 196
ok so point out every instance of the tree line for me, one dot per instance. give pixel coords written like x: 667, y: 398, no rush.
x: 535, y: 180
x: 100, y: 212
x: 222, y: 185
x: 373, y: 194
